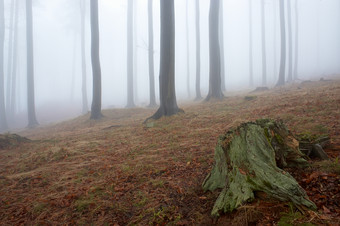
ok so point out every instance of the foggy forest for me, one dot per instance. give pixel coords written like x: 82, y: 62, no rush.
x: 179, y: 112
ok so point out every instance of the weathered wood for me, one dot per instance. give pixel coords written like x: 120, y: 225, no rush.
x: 248, y: 160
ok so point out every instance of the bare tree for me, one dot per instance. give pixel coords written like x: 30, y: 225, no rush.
x: 198, y: 50
x: 151, y: 56
x: 222, y: 47
x: 32, y: 120
x: 10, y: 58
x: 251, y: 73
x: 264, y: 54
x: 85, y: 107
x: 281, y: 80
x: 187, y: 45
x: 168, y: 102
x: 3, y: 120
x: 215, y: 91
x: 15, y: 60
x: 130, y: 94
x: 295, y: 73
x: 290, y: 41
x: 96, y: 70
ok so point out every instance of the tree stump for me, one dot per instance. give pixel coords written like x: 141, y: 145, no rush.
x: 251, y: 159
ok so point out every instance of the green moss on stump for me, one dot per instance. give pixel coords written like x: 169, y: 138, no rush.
x: 247, y: 160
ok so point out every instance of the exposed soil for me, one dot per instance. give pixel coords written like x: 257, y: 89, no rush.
x: 117, y: 171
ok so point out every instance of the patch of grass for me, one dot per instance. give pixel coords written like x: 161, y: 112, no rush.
x: 250, y: 98
x: 293, y: 217
x: 142, y: 199
x: 329, y: 166
x: 157, y: 183
x: 39, y: 207
x: 83, y: 204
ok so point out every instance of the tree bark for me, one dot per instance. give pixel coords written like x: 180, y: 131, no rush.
x: 168, y: 102
x: 32, y: 121
x: 130, y: 94
x: 187, y: 46
x: 264, y: 54
x: 223, y: 85
x: 10, y: 59
x: 275, y: 37
x: 96, y: 70
x: 198, y: 50
x: 85, y: 107
x: 215, y: 91
x: 151, y: 56
x: 251, y: 159
x: 290, y: 41
x: 3, y: 119
x: 251, y: 73
x: 281, y: 80
x: 295, y: 73
x: 15, y: 61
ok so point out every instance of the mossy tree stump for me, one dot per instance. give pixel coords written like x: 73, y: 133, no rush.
x: 250, y: 159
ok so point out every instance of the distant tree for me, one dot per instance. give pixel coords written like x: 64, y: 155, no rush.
x: 151, y: 56
x: 264, y: 54
x: 215, y: 90
x: 198, y: 50
x: 250, y: 17
x: 281, y: 80
x: 222, y: 47
x: 168, y: 102
x: 275, y: 36
x: 85, y: 107
x: 187, y: 45
x: 3, y: 119
x: 10, y: 58
x: 290, y: 41
x: 96, y: 70
x: 32, y: 120
x: 295, y: 73
x: 130, y: 94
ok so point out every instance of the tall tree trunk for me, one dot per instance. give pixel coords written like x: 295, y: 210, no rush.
x: 251, y: 73
x: 130, y: 94
x: 275, y: 37
x: 290, y: 41
x: 215, y: 91
x: 296, y: 40
x: 187, y: 45
x: 151, y: 56
x: 15, y: 61
x: 32, y: 120
x: 3, y: 120
x: 168, y: 102
x: 135, y: 52
x: 281, y: 80
x: 74, y: 60
x: 222, y: 46
x: 10, y: 60
x: 264, y: 54
x: 96, y: 70
x: 198, y: 50
x: 85, y: 107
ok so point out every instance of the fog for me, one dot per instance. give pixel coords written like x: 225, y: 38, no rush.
x: 57, y: 51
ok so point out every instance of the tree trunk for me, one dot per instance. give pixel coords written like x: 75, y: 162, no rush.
x: 74, y: 60
x: 3, y: 120
x: 168, y: 102
x: 251, y: 73
x: 295, y: 73
x: 215, y: 91
x: 187, y: 45
x: 290, y: 41
x: 15, y: 61
x: 281, y: 80
x: 32, y: 121
x: 198, y: 50
x: 250, y: 159
x: 264, y: 54
x: 151, y: 56
x: 275, y: 38
x: 85, y: 107
x: 222, y: 47
x: 10, y: 60
x: 96, y: 70
x: 130, y: 95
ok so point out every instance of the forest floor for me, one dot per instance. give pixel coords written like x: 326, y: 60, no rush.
x: 118, y: 171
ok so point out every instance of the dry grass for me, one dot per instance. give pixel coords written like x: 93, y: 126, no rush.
x: 117, y: 170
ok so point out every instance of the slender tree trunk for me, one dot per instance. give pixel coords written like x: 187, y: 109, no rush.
x: 3, y: 120
x: 96, y: 70
x: 151, y: 56
x: 275, y: 38
x: 215, y: 91
x: 135, y: 51
x: 281, y: 80
x: 290, y: 41
x: 187, y: 45
x: 168, y: 102
x: 251, y: 73
x: 198, y: 51
x: 264, y: 54
x: 10, y: 60
x: 223, y: 87
x: 296, y: 40
x: 15, y: 61
x: 85, y: 107
x: 74, y: 60
x: 32, y: 120
x: 130, y: 94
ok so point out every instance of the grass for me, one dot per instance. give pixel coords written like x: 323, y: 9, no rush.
x: 89, y: 172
